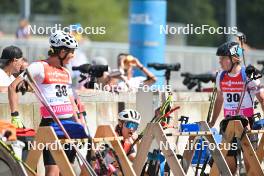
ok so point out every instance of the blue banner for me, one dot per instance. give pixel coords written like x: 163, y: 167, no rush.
x: 146, y: 41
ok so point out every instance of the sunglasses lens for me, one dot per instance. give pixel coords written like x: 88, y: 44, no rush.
x: 131, y: 125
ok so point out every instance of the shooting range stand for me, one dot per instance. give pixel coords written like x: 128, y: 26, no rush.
x: 46, y: 135
x: 154, y: 130
x: 107, y: 131
x: 260, y: 149
x: 216, y: 154
x: 236, y: 129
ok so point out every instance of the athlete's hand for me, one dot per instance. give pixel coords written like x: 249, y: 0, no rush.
x: 134, y: 136
x: 211, y: 124
x: 136, y: 62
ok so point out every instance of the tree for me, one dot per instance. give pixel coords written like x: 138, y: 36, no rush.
x: 198, y: 13
x: 249, y: 19
x: 99, y: 13
x: 37, y: 6
x: 11, y: 6
x: 43, y: 7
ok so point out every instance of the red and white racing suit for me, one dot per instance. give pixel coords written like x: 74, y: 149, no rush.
x: 55, y: 84
x: 232, y: 87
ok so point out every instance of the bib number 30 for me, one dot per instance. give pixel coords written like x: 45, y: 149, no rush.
x: 233, y: 97
x: 61, y: 91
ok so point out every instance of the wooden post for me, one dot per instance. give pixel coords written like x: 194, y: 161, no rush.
x: 216, y: 154
x: 170, y: 156
x: 46, y: 135
x: 105, y: 131
x: 250, y: 157
x: 260, y: 150
x: 189, y: 153
x: 235, y: 129
x: 155, y: 131
x: 229, y: 134
x: 143, y: 149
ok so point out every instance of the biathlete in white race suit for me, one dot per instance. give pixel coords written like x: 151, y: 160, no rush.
x: 54, y: 81
x: 128, y: 122
x: 230, y: 86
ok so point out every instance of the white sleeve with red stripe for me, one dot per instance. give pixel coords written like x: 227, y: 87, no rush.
x: 36, y: 69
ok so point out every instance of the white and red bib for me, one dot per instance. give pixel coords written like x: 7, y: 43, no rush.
x: 232, y: 88
x: 56, y: 87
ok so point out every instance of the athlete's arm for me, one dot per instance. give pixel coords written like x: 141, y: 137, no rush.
x: 37, y: 70
x: 13, y: 95
x: 132, y: 156
x: 74, y: 96
x: 151, y: 79
x: 78, y: 118
x: 133, y: 151
x: 260, y: 97
x: 75, y: 108
x: 13, y: 103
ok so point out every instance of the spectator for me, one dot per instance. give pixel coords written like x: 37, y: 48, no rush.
x: 11, y: 61
x: 23, y: 67
x: 23, y: 86
x: 23, y: 31
x: 79, y: 59
x: 127, y: 63
x: 109, y: 79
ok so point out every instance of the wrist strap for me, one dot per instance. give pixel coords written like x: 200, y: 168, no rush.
x: 14, y: 113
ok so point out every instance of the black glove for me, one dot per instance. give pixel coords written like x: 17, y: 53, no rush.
x: 252, y: 72
x: 23, y: 87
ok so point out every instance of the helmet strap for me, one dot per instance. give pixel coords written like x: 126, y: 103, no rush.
x: 63, y: 58
x: 232, y: 66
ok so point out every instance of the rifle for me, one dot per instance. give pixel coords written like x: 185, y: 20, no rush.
x: 105, y: 168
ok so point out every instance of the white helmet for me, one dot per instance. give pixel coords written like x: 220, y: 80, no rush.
x: 61, y: 38
x: 129, y: 115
